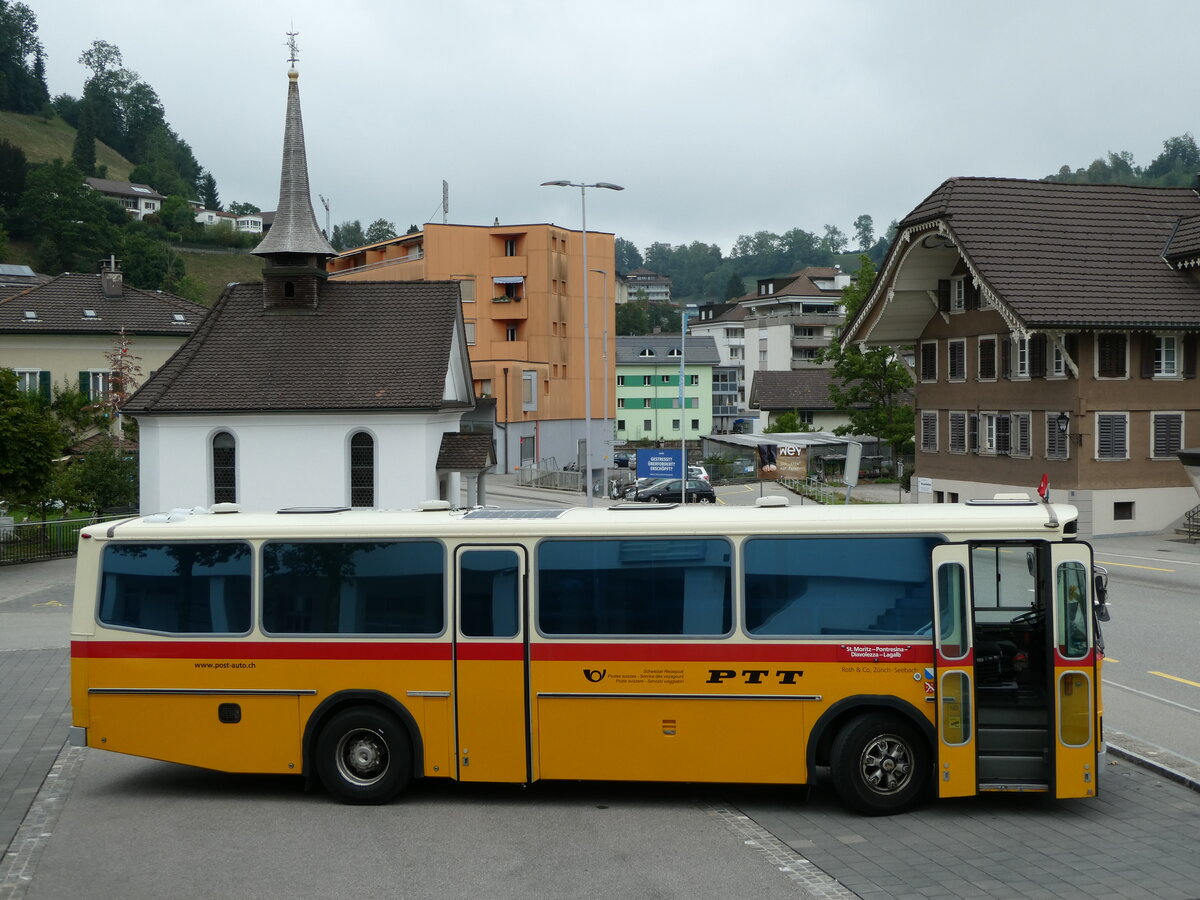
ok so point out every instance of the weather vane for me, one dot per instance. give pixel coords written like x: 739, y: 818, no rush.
x: 291, y: 45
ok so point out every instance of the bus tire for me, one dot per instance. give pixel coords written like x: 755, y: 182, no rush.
x: 364, y: 756
x: 880, y: 764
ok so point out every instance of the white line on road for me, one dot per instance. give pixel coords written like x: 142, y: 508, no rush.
x: 1152, y: 696
x: 1159, y: 559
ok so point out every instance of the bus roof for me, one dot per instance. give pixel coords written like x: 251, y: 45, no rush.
x: 993, y: 520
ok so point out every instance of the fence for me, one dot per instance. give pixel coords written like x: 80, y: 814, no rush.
x: 553, y: 479
x: 34, y: 541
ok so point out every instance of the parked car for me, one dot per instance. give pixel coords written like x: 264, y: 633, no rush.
x: 622, y: 459
x: 632, y: 488
x: 670, y: 491
x: 699, y: 472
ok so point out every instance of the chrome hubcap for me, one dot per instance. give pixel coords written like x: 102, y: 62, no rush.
x: 886, y: 764
x: 362, y: 756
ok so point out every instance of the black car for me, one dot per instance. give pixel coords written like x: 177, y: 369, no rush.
x: 669, y: 491
x: 621, y: 459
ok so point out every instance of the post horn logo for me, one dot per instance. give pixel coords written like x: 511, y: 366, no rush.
x: 594, y: 675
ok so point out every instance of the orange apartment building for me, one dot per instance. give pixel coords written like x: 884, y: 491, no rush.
x: 522, y: 299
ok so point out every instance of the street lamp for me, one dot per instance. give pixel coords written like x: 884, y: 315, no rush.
x: 604, y: 272
x: 587, y: 355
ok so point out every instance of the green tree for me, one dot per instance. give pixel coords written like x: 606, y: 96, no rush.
x: 871, y: 386
x: 22, y: 60
x: 71, y: 225
x: 177, y: 214
x: 380, y: 230
x: 834, y: 240
x: 632, y: 318
x: 208, y: 191
x: 13, y: 171
x: 83, y: 153
x: 3, y: 243
x: 30, y: 441
x: 149, y: 264
x: 864, y: 232
x: 787, y: 423
x: 734, y: 287
x: 348, y: 235
x: 1178, y: 163
x: 102, y: 479
x: 628, y: 256
x: 243, y: 209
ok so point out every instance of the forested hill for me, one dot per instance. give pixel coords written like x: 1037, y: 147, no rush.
x: 1177, y: 166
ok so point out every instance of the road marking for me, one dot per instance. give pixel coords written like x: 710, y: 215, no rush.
x: 1109, y: 659
x: 1177, y: 562
x: 1152, y: 696
x: 1175, y: 678
x: 47, y: 603
x: 1105, y: 562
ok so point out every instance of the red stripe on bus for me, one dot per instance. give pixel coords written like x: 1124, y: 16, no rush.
x: 487, y: 651
x: 259, y: 650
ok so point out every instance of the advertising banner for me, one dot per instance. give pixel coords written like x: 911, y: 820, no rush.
x: 659, y: 464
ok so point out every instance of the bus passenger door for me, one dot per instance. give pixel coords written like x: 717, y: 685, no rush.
x: 1073, y: 661
x: 954, y: 671
x: 492, y: 721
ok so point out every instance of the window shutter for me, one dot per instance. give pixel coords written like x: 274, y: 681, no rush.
x: 1189, y: 356
x: 1005, y: 357
x: 44, y: 385
x: 944, y: 295
x: 973, y: 433
x: 85, y: 384
x: 987, y: 358
x: 970, y: 293
x: 1149, y: 345
x: 1168, y: 434
x: 929, y: 361
x: 1002, y: 434
x: 1037, y: 356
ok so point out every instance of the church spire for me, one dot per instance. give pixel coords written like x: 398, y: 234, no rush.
x: 294, y: 230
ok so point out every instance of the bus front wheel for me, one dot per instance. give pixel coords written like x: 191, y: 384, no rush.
x: 880, y: 764
x: 363, y: 756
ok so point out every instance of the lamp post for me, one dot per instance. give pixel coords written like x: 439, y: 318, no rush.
x: 604, y: 345
x: 587, y: 355
x: 683, y: 316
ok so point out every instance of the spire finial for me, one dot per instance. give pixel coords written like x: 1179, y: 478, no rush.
x: 293, y: 49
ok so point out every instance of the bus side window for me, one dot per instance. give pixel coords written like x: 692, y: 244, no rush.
x: 1071, y: 595
x: 952, y: 610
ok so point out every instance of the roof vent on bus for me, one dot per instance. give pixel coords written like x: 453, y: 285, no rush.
x: 771, y: 501
x: 222, y: 508
x: 434, y: 506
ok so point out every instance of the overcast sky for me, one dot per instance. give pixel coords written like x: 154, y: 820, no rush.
x: 718, y: 118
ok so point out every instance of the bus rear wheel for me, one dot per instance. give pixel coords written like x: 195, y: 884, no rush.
x: 880, y: 764
x: 363, y: 756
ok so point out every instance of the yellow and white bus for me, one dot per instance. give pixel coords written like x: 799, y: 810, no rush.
x: 896, y: 646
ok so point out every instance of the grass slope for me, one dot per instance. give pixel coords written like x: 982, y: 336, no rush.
x: 45, y: 141
x: 215, y: 270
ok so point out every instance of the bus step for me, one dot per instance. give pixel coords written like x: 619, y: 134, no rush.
x: 1011, y: 716
x: 1012, y: 740
x: 1011, y: 767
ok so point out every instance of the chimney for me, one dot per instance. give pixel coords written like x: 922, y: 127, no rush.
x: 111, y: 280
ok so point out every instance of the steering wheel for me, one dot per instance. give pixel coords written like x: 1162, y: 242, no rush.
x: 1027, y: 618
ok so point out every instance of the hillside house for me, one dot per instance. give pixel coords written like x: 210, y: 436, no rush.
x: 139, y: 200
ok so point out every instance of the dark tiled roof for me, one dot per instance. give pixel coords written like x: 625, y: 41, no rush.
x: 801, y: 389
x: 700, y: 350
x: 466, y: 452
x: 124, y: 188
x: 800, y: 284
x: 381, y: 346
x: 1184, y: 248
x: 1070, y: 254
x: 60, y: 303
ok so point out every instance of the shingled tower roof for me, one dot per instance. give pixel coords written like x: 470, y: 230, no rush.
x: 294, y: 229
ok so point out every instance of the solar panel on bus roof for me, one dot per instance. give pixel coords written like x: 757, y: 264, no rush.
x: 514, y: 514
